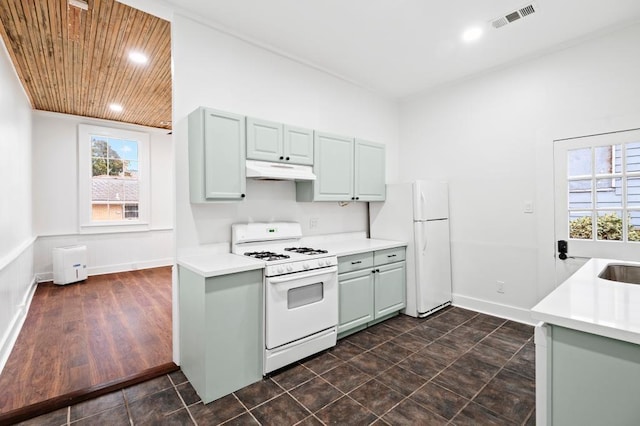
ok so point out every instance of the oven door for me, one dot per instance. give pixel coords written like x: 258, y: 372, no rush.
x: 299, y: 305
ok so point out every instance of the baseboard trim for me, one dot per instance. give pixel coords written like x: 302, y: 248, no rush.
x: 496, y: 309
x: 112, y: 269
x: 72, y: 398
x: 9, y: 339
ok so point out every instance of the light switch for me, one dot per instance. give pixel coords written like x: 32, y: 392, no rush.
x: 528, y: 206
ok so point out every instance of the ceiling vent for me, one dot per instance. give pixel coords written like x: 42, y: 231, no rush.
x: 523, y: 12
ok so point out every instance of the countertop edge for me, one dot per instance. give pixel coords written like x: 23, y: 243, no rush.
x: 218, y: 271
x: 372, y: 245
x: 587, y: 327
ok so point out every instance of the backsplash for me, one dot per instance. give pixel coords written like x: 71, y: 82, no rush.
x: 269, y: 201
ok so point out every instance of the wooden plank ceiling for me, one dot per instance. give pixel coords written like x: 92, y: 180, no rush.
x: 75, y: 61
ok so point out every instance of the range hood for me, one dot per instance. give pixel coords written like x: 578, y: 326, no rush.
x: 278, y: 171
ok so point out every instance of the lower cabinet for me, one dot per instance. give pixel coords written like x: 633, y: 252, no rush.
x: 221, y: 343
x: 590, y: 379
x: 372, y: 287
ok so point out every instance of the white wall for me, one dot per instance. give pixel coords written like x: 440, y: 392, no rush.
x: 219, y: 71
x: 491, y: 137
x: 16, y: 234
x: 55, y: 199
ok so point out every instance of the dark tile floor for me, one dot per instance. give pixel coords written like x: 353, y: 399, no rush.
x: 457, y: 367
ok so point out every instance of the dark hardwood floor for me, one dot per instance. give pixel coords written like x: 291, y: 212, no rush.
x: 83, y: 335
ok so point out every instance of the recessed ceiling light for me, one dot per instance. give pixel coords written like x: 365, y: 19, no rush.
x: 471, y: 34
x: 138, y: 58
x: 115, y: 107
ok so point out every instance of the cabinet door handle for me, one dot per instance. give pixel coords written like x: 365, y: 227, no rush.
x: 242, y: 195
x: 391, y: 255
x: 282, y: 158
x: 287, y: 158
x: 357, y: 198
x: 357, y: 262
x: 353, y: 198
x: 375, y: 270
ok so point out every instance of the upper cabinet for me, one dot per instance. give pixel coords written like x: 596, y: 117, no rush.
x: 216, y: 156
x: 369, y: 173
x: 347, y: 169
x: 269, y: 141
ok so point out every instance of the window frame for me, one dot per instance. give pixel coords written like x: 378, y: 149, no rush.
x: 86, y: 224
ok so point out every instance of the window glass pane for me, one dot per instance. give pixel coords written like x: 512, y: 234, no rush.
x: 126, y: 150
x: 633, y: 192
x: 634, y: 225
x: 633, y: 157
x: 115, y: 188
x: 130, y: 169
x: 609, y: 193
x: 580, y: 225
x: 609, y: 226
x: 131, y: 211
x: 579, y: 162
x: 580, y: 194
x: 131, y: 189
x: 604, y: 159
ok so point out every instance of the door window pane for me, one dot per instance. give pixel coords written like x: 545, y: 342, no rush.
x: 580, y: 225
x: 609, y: 193
x: 579, y: 162
x: 604, y: 159
x: 634, y: 225
x: 580, y: 194
x: 633, y: 192
x: 609, y: 226
x: 633, y: 157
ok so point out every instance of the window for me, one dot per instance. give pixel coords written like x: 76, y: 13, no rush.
x: 113, y: 179
x: 604, y: 188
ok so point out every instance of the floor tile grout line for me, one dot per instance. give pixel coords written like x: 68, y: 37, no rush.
x: 469, y: 400
x: 246, y: 410
x: 184, y: 404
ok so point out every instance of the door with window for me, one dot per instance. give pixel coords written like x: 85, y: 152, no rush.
x: 597, y: 198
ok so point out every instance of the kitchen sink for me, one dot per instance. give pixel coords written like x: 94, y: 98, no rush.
x: 622, y: 273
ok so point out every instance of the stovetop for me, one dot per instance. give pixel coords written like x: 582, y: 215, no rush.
x: 275, y: 254
x: 279, y: 245
x: 269, y: 256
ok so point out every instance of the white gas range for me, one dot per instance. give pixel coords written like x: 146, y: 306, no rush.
x: 300, y: 290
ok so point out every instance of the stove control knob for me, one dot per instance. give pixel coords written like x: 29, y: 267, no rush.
x: 305, y: 265
x: 321, y: 262
x: 280, y: 269
x: 289, y: 268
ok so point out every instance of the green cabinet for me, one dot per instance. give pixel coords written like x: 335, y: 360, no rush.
x: 369, y: 171
x: 347, y: 169
x: 270, y: 141
x: 371, y: 287
x: 221, y: 343
x: 594, y: 380
x: 216, y: 156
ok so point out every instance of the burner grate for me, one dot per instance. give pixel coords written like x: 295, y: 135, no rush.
x: 267, y: 255
x: 306, y: 250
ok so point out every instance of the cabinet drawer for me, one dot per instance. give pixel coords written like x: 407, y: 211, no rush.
x: 355, y: 262
x: 382, y: 257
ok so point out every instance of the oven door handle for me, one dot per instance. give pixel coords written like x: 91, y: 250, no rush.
x: 297, y: 276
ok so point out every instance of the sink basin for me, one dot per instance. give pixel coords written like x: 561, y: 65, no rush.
x: 622, y: 273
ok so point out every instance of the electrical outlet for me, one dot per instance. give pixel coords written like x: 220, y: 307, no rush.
x: 313, y: 223
x: 500, y: 286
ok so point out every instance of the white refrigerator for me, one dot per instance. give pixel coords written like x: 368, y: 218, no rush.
x: 418, y: 213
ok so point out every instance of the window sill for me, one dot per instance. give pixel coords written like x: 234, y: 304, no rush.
x: 114, y: 227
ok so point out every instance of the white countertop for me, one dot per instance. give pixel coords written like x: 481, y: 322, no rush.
x: 347, y: 247
x: 211, y: 265
x: 594, y: 305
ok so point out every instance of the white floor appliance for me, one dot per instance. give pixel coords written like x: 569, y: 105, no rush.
x: 418, y: 213
x: 300, y: 291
